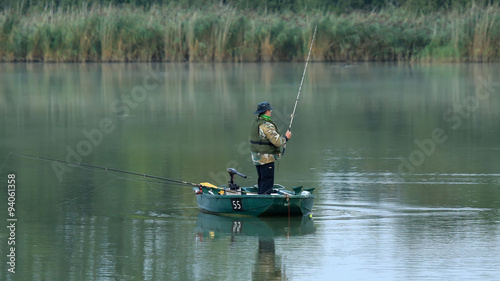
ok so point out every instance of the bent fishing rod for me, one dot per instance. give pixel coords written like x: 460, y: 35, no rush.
x: 301, y: 81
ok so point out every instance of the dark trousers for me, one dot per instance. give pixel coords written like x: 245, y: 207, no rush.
x: 266, y: 178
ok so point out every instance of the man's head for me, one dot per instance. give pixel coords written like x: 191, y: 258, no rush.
x: 264, y: 108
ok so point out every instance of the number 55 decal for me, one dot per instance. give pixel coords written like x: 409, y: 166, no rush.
x: 237, y: 204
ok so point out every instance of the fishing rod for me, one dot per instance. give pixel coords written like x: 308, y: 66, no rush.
x: 109, y: 169
x: 231, y: 171
x: 301, y: 81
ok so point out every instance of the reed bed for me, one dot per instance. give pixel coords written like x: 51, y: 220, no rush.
x: 224, y: 34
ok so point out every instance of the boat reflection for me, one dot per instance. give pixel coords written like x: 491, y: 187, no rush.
x: 267, y: 265
x: 210, y: 225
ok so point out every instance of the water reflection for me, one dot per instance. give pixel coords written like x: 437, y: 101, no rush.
x: 266, y: 267
x: 267, y: 264
x: 209, y: 225
x: 352, y: 129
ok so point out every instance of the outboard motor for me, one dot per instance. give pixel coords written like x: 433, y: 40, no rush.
x: 233, y: 172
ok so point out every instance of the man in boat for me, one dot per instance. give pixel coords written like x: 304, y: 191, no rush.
x: 265, y: 143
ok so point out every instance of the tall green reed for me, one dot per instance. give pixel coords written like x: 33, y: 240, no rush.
x: 221, y: 33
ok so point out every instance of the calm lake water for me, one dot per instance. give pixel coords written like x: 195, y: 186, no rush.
x: 404, y: 158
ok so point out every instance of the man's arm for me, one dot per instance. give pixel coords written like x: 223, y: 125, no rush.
x: 269, y: 131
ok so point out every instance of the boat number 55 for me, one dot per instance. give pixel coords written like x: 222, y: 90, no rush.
x: 237, y: 204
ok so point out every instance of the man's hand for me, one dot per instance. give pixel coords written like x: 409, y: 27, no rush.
x: 288, y: 134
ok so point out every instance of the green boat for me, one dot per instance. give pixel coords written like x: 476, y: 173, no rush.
x: 245, y: 201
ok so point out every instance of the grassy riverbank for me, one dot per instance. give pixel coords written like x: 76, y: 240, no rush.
x: 222, y: 33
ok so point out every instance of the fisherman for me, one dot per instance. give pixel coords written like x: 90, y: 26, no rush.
x: 265, y: 143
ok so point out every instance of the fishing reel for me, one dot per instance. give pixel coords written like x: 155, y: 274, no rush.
x: 233, y: 172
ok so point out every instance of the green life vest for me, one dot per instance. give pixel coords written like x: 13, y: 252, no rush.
x: 258, y: 144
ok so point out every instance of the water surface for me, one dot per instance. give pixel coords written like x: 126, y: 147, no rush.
x: 404, y: 159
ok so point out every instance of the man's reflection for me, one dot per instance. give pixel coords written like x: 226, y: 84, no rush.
x: 266, y: 267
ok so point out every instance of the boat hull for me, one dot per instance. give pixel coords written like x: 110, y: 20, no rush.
x: 256, y: 205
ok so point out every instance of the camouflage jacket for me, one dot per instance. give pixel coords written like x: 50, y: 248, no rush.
x: 268, y: 131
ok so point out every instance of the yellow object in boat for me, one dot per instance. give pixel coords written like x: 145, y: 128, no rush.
x: 207, y: 184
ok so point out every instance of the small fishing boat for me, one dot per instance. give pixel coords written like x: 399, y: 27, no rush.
x: 231, y: 199
x: 245, y: 201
